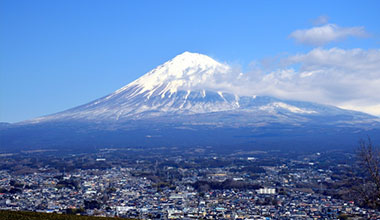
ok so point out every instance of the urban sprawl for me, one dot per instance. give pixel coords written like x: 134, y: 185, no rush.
x: 200, y: 185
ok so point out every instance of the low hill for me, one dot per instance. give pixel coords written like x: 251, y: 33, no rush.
x: 23, y: 215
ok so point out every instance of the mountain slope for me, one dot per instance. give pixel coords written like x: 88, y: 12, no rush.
x: 175, y: 86
x: 185, y: 102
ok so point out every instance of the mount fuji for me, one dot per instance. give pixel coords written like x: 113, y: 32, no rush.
x: 187, y: 102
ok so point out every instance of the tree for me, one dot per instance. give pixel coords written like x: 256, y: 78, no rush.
x: 369, y: 163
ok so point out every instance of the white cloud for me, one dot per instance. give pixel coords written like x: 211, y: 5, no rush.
x: 327, y: 33
x: 370, y: 109
x: 343, y: 78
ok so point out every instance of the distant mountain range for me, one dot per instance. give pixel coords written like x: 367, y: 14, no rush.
x: 172, y: 105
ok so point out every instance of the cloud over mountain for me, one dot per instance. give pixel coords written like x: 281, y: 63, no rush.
x: 345, y: 78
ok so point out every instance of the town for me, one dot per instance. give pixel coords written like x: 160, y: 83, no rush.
x: 197, y: 183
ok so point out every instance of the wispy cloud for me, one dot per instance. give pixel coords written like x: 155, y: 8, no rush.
x: 321, y: 35
x: 323, y: 19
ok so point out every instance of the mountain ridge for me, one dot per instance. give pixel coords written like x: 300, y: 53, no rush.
x: 173, y: 105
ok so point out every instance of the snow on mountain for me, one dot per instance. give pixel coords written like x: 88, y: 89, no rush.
x: 185, y: 72
x: 180, y: 87
x: 275, y: 105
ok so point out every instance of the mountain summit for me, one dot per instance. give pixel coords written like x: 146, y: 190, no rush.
x: 183, y: 102
x: 186, y: 71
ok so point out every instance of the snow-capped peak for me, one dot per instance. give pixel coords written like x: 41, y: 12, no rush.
x: 186, y: 71
x: 182, y: 86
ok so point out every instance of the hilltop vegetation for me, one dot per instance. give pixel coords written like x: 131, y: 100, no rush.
x: 22, y: 215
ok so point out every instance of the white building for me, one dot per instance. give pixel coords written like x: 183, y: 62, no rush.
x: 266, y: 191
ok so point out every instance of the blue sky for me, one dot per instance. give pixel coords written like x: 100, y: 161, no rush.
x: 55, y: 55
